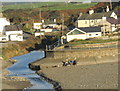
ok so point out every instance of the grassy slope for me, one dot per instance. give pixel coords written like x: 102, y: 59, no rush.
x: 49, y: 5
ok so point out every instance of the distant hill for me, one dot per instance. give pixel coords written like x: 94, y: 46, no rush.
x: 46, y: 5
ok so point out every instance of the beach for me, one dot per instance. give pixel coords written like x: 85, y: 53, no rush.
x: 90, y: 72
x: 97, y: 76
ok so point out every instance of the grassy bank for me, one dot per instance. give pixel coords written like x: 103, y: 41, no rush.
x: 20, y: 48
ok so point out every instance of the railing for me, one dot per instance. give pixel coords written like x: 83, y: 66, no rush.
x: 56, y: 44
x: 87, y: 48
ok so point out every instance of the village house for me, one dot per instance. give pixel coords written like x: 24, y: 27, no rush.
x: 83, y: 33
x: 3, y: 23
x: 14, y: 32
x: 97, y: 19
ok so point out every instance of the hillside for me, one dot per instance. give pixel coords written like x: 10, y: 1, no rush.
x: 49, y: 6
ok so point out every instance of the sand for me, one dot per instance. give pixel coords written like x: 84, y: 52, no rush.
x: 102, y: 74
x: 97, y: 76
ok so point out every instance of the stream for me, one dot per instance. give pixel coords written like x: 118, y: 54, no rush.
x: 21, y: 69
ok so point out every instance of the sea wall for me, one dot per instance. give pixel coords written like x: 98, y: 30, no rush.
x: 83, y: 57
x: 82, y: 53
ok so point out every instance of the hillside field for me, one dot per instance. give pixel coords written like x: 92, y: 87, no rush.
x: 49, y: 6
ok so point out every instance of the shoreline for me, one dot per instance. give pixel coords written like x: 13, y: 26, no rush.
x: 13, y: 81
x: 56, y: 85
x: 52, y: 69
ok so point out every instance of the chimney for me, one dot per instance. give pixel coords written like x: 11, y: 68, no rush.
x: 107, y: 9
x: 54, y: 20
x: 91, y: 11
x: 43, y: 21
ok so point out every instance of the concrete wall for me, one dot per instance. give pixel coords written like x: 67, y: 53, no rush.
x: 81, y: 53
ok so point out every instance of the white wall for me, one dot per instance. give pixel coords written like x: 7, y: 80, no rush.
x: 37, y: 25
x: 14, y: 32
x: 79, y: 36
x: 93, y: 34
x: 16, y: 37
x: 83, y: 36
x: 4, y: 38
x: 3, y: 23
x: 46, y: 30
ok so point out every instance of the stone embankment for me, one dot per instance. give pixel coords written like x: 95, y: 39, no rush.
x: 83, y: 57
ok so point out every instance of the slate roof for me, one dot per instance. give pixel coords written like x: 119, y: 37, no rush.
x: 95, y: 15
x: 90, y: 29
x: 113, y: 21
x: 13, y: 27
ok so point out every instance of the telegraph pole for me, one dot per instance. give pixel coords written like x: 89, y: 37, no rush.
x: 62, y: 28
x: 110, y: 5
x: 40, y: 14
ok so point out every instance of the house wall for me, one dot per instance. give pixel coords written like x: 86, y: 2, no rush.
x: 106, y: 26
x: 16, y: 37
x: 113, y: 15
x: 78, y: 36
x: 47, y: 30
x: 114, y: 27
x: 4, y: 38
x: 93, y: 34
x: 88, y: 23
x: 13, y: 32
x: 3, y: 23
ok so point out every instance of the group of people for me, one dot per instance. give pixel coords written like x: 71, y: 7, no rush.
x: 71, y: 62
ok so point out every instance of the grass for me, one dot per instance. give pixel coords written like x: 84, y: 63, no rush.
x: 95, y: 41
x: 48, y: 6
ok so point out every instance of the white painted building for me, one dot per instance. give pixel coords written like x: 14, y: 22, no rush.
x: 83, y: 33
x: 4, y: 38
x: 13, y: 33
x: 48, y: 30
x: 37, y: 25
x: 3, y: 23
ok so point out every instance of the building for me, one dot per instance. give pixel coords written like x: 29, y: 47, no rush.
x: 83, y: 33
x: 14, y: 32
x: 3, y: 23
x: 38, y: 33
x: 96, y: 19
x: 37, y: 25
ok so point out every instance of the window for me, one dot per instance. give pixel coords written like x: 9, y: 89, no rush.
x: 85, y: 22
x: 3, y: 38
x: 90, y: 34
x: 92, y: 21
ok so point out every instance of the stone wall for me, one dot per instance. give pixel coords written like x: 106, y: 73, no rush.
x: 81, y: 53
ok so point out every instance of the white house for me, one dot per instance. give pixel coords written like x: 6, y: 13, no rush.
x: 48, y: 30
x: 4, y: 38
x: 3, y: 23
x: 37, y: 25
x: 38, y: 33
x: 83, y: 33
x: 14, y: 33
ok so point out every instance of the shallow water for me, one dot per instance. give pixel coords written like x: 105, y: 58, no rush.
x: 21, y: 69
